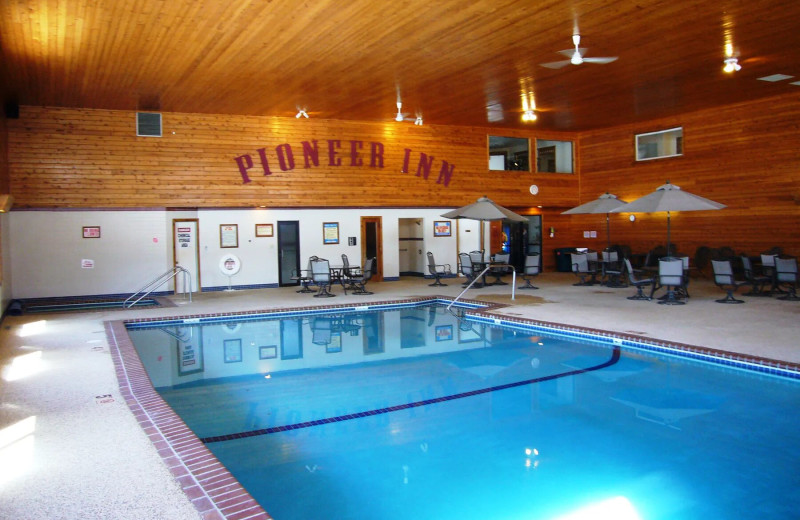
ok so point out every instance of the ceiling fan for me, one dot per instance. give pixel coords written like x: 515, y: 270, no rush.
x: 403, y: 116
x: 576, y: 56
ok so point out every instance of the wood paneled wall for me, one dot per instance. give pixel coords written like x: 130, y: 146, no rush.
x: 745, y: 156
x: 72, y: 158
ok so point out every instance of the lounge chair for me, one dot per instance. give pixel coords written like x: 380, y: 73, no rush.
x: 532, y: 269
x: 725, y: 280
x: 757, y: 282
x: 786, y: 276
x: 639, y: 283
x: 437, y: 270
x: 671, y: 276
x: 321, y: 275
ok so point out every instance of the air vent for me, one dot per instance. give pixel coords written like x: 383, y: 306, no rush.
x: 148, y: 124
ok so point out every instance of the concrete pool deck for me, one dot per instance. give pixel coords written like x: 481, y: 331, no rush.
x: 71, y: 448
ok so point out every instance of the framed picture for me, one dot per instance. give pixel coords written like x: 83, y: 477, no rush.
x: 444, y: 332
x: 336, y: 343
x: 190, y: 355
x: 91, y: 231
x: 232, y: 350
x: 268, y: 352
x: 441, y: 228
x: 264, y: 230
x: 330, y: 232
x: 229, y: 235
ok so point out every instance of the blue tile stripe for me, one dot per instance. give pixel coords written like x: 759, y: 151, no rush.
x: 615, y: 356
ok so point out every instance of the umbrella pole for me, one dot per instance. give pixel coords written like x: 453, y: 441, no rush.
x: 608, y: 233
x: 668, y: 241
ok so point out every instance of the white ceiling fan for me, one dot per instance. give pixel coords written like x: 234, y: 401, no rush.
x: 576, y: 56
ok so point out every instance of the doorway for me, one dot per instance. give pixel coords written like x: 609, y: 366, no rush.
x: 288, y: 252
x: 372, y: 245
x: 410, y: 244
x: 520, y: 239
x: 186, y: 252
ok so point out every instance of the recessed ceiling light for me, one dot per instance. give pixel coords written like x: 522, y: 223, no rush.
x: 775, y: 77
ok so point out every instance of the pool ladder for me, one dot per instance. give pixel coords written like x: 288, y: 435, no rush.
x: 483, y: 273
x: 157, y: 282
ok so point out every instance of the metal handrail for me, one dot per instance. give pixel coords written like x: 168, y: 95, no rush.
x: 490, y: 266
x: 157, y: 282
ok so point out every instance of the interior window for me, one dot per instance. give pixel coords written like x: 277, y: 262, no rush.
x: 657, y: 145
x: 554, y: 156
x: 508, y: 153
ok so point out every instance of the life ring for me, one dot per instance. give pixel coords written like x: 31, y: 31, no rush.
x: 230, y: 265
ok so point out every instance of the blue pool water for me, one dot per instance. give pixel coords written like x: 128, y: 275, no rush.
x: 415, y: 413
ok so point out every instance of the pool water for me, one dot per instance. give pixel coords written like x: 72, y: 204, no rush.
x: 341, y: 417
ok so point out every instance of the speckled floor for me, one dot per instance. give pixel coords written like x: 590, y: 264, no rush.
x: 70, y: 447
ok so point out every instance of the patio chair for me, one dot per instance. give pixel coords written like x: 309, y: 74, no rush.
x: 359, y: 277
x: 437, y: 270
x: 725, y: 280
x: 321, y: 275
x: 670, y: 275
x: 321, y: 331
x: 499, y: 271
x: 639, y: 283
x: 585, y: 272
x: 466, y: 268
x: 757, y: 282
x: 532, y: 269
x: 303, y: 276
x: 786, y: 276
x: 612, y: 269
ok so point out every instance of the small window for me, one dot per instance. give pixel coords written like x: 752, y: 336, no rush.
x: 657, y: 145
x: 508, y: 153
x: 554, y: 156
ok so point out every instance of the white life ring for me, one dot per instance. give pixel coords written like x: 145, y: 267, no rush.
x: 230, y: 265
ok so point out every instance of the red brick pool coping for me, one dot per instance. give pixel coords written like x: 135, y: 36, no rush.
x: 214, y: 492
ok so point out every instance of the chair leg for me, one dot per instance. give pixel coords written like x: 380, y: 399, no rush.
x: 324, y: 292
x: 671, y: 298
x: 528, y: 284
x: 438, y: 281
x: 304, y: 287
x: 791, y: 294
x: 729, y: 298
x: 640, y: 295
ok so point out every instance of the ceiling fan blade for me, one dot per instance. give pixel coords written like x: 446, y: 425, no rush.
x: 556, y: 64
x: 607, y: 59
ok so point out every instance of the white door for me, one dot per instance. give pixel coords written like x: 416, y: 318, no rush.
x: 186, y: 253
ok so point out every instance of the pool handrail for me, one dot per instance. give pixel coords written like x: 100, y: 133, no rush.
x: 482, y: 273
x: 157, y: 282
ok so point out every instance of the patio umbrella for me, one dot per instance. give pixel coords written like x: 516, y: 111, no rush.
x: 482, y: 210
x: 668, y: 198
x: 603, y: 204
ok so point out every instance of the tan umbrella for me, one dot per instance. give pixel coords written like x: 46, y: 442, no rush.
x: 669, y: 198
x: 603, y: 204
x: 484, y: 209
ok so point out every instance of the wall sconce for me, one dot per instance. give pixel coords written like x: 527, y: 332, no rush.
x: 731, y: 65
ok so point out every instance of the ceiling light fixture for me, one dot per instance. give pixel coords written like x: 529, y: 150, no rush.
x: 418, y: 121
x: 731, y: 65
x: 528, y: 116
x: 399, y: 116
x: 528, y: 103
x: 301, y: 112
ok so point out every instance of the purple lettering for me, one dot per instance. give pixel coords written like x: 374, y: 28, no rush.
x: 245, y: 162
x: 424, y: 166
x: 311, y: 153
x: 376, y: 157
x: 406, y: 158
x: 445, y: 173
x: 262, y: 153
x: 285, y: 157
x: 332, y: 159
x: 355, y: 160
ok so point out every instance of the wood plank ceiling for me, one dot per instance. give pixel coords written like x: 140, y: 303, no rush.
x: 453, y: 62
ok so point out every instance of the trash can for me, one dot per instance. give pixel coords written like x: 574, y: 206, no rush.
x: 563, y: 260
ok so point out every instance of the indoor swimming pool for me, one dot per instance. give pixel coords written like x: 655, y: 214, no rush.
x: 414, y: 411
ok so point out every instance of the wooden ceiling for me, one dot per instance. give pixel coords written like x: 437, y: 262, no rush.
x: 454, y: 62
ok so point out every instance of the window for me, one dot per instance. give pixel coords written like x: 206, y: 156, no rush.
x: 657, y: 145
x: 554, y: 156
x: 508, y: 153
